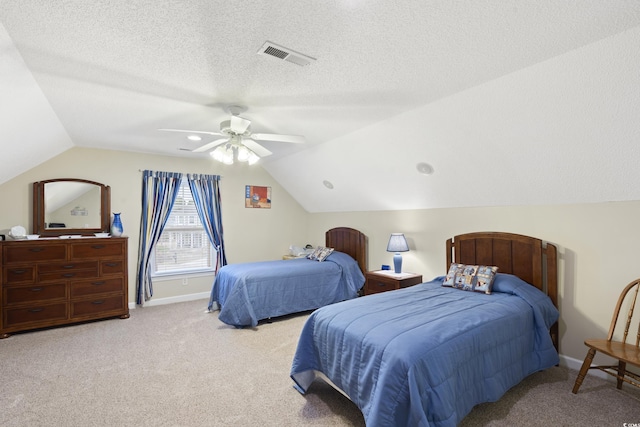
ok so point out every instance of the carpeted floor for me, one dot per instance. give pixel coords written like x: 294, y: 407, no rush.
x: 175, y: 365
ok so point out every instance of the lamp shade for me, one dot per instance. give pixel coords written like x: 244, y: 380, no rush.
x: 397, y: 243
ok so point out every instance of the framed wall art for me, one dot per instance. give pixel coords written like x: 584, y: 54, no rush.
x: 256, y: 196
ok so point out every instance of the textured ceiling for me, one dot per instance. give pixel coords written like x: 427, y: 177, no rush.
x: 388, y: 83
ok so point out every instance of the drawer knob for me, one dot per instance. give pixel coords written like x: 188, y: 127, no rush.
x: 18, y: 271
x: 111, y: 264
x: 102, y: 282
x: 68, y: 266
x: 36, y: 289
x: 97, y: 302
x: 36, y: 249
x: 36, y: 310
x: 97, y: 246
x: 68, y: 274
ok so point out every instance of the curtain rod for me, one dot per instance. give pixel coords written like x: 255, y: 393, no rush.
x: 192, y: 173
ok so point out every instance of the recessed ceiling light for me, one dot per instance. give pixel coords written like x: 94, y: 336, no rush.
x: 194, y: 138
x: 424, y: 168
x: 328, y: 184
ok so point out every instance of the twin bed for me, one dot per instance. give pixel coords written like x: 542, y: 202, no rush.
x: 418, y: 356
x: 249, y: 292
x: 427, y: 354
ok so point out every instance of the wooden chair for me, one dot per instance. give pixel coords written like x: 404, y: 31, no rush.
x: 623, y: 351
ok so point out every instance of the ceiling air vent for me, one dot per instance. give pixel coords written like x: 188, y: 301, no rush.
x: 284, y: 53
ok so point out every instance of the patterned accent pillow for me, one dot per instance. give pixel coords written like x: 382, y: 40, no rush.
x: 467, y: 279
x: 484, y: 278
x: 478, y: 278
x: 313, y: 256
x: 324, y: 253
x: 454, y: 269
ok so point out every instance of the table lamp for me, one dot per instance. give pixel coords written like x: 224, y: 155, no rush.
x: 397, y: 244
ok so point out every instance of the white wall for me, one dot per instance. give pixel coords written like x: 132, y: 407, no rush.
x: 250, y: 234
x: 564, y: 130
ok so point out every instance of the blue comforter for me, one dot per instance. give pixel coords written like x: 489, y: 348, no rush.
x: 425, y: 355
x: 249, y: 292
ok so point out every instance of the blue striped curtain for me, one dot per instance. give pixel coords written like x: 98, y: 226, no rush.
x: 159, y: 191
x: 206, y: 196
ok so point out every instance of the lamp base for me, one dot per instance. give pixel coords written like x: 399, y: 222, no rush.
x: 397, y: 263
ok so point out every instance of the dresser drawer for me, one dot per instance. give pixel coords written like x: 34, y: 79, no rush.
x: 98, y: 306
x: 34, y: 315
x: 111, y: 267
x: 24, y: 294
x: 375, y: 285
x: 68, y: 274
x: 96, y: 286
x: 16, y: 275
x: 96, y: 250
x: 63, y: 267
x: 27, y: 252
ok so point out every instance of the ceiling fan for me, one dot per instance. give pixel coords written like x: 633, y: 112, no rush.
x: 236, y: 136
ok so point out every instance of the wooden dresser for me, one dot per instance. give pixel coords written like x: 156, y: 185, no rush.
x: 50, y: 282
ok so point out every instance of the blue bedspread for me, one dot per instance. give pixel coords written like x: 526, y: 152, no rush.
x: 425, y: 355
x: 249, y: 292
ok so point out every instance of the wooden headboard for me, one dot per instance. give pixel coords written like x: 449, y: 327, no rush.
x: 351, y: 242
x: 531, y: 259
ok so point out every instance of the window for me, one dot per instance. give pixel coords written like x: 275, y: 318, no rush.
x: 184, y: 246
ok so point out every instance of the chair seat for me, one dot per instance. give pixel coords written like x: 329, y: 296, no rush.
x: 616, y: 349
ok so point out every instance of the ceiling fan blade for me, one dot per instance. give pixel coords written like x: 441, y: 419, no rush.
x: 256, y: 148
x: 296, y: 139
x: 210, y: 145
x: 239, y: 125
x: 193, y: 131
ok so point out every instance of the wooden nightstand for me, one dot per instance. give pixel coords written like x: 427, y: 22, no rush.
x: 383, y: 280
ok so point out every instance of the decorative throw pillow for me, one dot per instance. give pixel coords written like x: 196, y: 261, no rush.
x: 484, y: 278
x: 314, y: 255
x: 454, y: 269
x: 467, y: 279
x: 478, y: 278
x: 324, y: 253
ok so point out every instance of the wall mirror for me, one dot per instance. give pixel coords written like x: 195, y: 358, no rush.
x: 70, y: 206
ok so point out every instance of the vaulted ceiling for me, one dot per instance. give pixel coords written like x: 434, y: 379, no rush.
x: 519, y: 102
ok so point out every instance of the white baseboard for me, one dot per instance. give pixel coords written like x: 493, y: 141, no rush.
x: 171, y: 300
x: 575, y: 364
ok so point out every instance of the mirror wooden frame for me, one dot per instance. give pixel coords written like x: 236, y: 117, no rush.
x: 39, y: 209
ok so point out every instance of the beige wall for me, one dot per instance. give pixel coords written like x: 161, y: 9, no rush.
x: 250, y: 234
x: 597, y: 243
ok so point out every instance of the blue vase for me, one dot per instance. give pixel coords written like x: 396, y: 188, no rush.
x: 116, y: 225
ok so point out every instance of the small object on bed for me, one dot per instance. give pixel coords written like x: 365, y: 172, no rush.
x: 478, y: 278
x: 298, y: 252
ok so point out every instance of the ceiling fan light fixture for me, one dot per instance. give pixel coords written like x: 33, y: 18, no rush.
x: 253, y: 158
x: 236, y: 141
x: 223, y: 155
x: 194, y: 138
x: 243, y: 153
